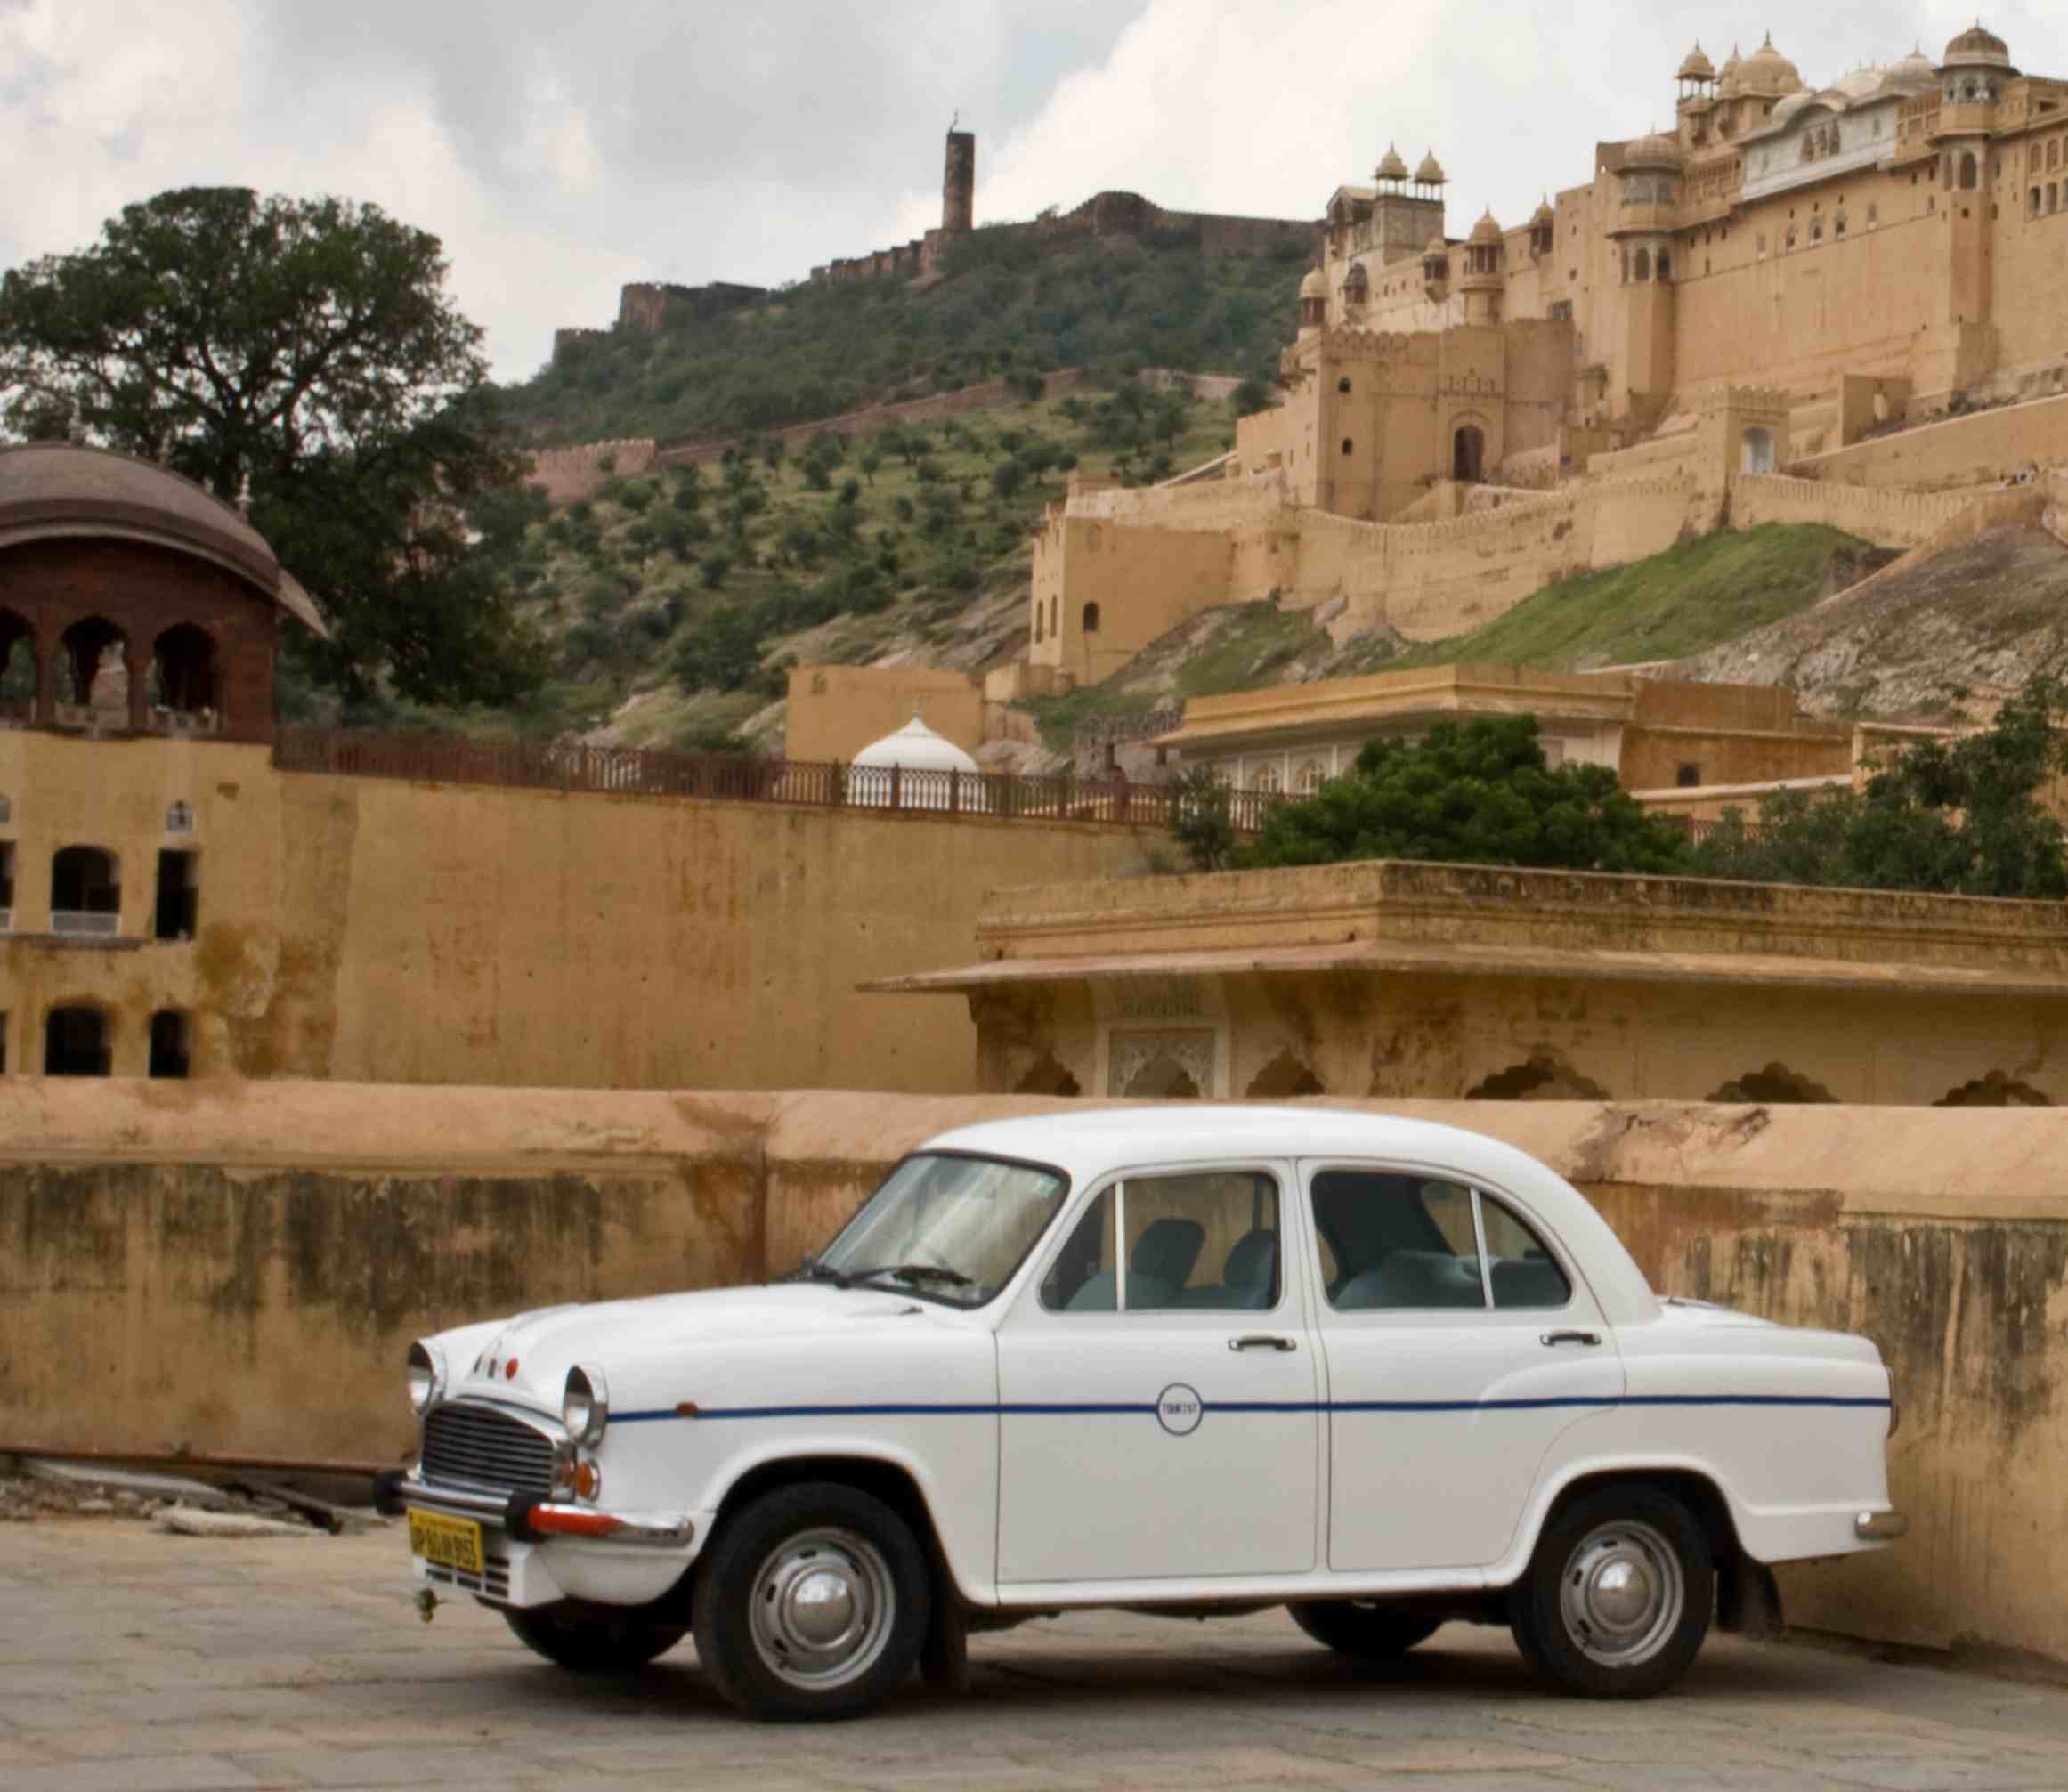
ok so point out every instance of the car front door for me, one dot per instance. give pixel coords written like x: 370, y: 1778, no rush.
x: 1158, y: 1384
x: 1459, y: 1340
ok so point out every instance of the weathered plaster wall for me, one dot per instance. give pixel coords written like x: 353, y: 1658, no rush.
x: 1962, y: 451
x: 371, y: 927
x: 196, y: 1265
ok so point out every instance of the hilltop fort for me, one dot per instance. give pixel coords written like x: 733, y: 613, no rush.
x: 650, y: 306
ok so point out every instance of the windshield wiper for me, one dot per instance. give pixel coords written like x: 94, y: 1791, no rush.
x: 811, y: 1270
x: 915, y: 1272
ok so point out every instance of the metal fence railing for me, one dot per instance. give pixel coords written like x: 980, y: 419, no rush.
x: 560, y: 765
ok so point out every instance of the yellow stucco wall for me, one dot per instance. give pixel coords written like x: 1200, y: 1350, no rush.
x: 193, y: 1264
x: 380, y: 929
x: 834, y: 711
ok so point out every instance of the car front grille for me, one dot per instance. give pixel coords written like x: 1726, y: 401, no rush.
x: 486, y: 1451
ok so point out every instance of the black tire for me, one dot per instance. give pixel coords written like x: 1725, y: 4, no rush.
x: 1618, y: 1595
x: 1367, y: 1629
x: 593, y: 1645
x: 795, y: 1561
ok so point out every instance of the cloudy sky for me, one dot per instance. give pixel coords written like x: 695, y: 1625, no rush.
x: 560, y: 148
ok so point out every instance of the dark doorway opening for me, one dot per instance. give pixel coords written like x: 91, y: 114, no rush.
x: 1468, y: 454
x: 74, y: 1042
x: 179, y: 893
x: 168, y: 1043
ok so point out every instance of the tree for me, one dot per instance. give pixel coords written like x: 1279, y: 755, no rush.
x: 1964, y: 818
x: 1478, y: 791
x: 1201, y: 818
x: 308, y: 347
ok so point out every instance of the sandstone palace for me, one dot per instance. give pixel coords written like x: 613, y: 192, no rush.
x: 1778, y: 286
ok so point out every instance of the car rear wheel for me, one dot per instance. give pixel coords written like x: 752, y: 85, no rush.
x: 1367, y: 1629
x: 593, y: 1645
x: 1618, y: 1595
x: 812, y: 1603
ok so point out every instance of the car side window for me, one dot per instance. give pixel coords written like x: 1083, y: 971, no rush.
x: 1200, y: 1241
x: 1082, y: 1279
x: 1522, y: 1272
x: 1401, y: 1243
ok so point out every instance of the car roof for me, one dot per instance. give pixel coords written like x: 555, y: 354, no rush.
x: 1091, y: 1141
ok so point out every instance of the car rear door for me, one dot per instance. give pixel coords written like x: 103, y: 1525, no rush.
x: 1158, y: 1387
x: 1459, y: 1340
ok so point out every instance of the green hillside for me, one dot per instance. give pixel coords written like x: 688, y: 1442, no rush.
x: 673, y: 603
x: 1004, y: 307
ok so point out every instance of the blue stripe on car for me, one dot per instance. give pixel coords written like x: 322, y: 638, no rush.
x: 1092, y: 1409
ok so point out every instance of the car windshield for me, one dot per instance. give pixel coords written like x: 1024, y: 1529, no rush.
x: 950, y: 1229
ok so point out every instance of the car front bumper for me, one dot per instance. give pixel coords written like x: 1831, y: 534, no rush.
x: 537, y: 1551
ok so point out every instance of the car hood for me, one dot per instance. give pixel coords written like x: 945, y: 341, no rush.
x: 613, y: 1335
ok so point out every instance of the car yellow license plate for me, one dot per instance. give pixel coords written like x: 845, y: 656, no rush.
x: 453, y: 1543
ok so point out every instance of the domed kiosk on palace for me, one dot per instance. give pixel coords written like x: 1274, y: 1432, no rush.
x: 134, y: 601
x: 915, y: 768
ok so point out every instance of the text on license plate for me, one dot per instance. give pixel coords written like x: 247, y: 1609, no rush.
x: 453, y: 1543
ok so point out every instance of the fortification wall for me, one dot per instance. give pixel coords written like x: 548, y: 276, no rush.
x: 188, y: 1259
x: 795, y: 436
x: 1888, y: 518
x: 1976, y: 450
x: 1130, y: 582
x: 1433, y: 579
x: 1208, y: 503
x: 567, y: 474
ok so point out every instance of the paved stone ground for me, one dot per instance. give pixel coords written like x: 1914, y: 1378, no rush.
x: 144, y: 1663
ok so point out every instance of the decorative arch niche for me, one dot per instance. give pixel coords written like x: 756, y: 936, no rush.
x: 1543, y: 1076
x: 1775, y: 1086
x: 1996, y: 1090
x: 1283, y: 1078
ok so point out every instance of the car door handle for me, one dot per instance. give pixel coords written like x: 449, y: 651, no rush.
x: 1571, y: 1338
x: 1262, y: 1341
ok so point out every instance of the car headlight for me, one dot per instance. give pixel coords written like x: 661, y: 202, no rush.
x: 424, y: 1375
x: 585, y: 1408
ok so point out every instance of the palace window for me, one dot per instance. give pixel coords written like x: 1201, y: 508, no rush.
x: 86, y: 892
x: 183, y: 683
x: 1265, y: 778
x: 6, y: 886
x: 1348, y: 446
x: 2032, y: 203
x: 1342, y: 384
x: 93, y: 667
x: 1969, y: 173
x: 74, y: 1042
x: 1644, y: 270
x: 1090, y: 618
x: 1839, y: 225
x: 1873, y: 215
x: 180, y: 818
x: 1789, y: 242
x: 2052, y: 190
x: 1664, y: 265
x: 1816, y: 230
x: 1688, y: 775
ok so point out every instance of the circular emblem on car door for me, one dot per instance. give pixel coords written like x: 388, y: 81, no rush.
x: 1178, y: 1409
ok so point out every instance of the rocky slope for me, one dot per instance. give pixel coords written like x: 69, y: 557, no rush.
x: 1943, y: 637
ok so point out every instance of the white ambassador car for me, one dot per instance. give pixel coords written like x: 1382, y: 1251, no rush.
x: 1197, y: 1360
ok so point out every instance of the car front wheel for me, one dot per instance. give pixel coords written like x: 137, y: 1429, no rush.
x: 599, y: 1645
x: 1369, y: 1630
x: 1618, y: 1595
x: 812, y: 1603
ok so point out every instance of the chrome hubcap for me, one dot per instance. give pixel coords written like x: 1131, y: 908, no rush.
x: 1622, y: 1594
x: 822, y: 1608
